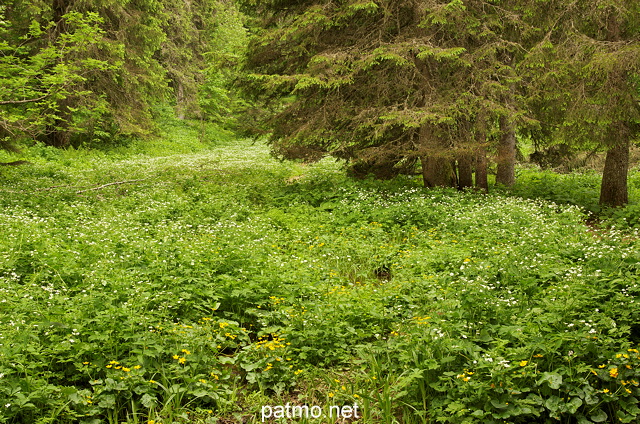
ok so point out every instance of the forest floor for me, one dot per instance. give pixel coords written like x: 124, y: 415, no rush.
x: 190, y: 282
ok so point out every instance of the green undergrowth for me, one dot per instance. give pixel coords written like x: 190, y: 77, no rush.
x: 208, y: 285
x: 172, y: 137
x: 581, y: 189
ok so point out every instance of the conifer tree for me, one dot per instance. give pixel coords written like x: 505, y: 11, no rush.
x: 386, y: 83
x: 41, y: 73
x: 584, y: 87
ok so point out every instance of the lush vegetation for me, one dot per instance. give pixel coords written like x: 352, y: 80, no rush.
x: 144, y: 287
x: 91, y: 72
x: 156, y: 267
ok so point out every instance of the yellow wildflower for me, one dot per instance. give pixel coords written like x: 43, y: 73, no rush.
x: 613, y: 372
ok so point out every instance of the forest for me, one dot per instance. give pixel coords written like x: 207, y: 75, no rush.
x: 319, y: 211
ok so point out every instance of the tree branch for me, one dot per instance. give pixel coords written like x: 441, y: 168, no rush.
x: 109, y: 184
x: 18, y: 102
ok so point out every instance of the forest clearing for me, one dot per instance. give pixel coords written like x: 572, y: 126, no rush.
x: 319, y: 211
x: 211, y: 283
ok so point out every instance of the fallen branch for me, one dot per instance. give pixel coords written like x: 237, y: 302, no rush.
x: 107, y: 185
x: 58, y: 186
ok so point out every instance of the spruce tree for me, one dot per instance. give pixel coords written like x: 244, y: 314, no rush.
x: 386, y: 83
x: 583, y: 82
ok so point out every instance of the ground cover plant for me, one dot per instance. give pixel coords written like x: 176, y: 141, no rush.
x: 204, y: 285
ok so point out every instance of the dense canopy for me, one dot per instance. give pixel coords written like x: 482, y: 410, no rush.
x: 390, y: 82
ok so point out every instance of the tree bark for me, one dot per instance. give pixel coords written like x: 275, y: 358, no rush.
x: 58, y: 135
x: 506, y: 154
x: 482, y: 182
x: 437, y: 166
x: 180, y: 100
x: 480, y: 159
x: 59, y: 8
x: 613, y: 190
x: 437, y: 171
x: 465, y: 171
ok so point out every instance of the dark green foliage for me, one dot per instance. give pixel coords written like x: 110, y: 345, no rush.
x: 582, y: 82
x: 447, y: 82
x: 383, y: 82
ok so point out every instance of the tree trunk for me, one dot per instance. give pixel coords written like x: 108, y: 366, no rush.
x: 482, y: 182
x: 57, y: 134
x: 437, y: 166
x: 58, y: 137
x: 180, y: 100
x: 613, y: 191
x: 58, y: 8
x: 437, y: 171
x: 465, y: 171
x: 506, y: 154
